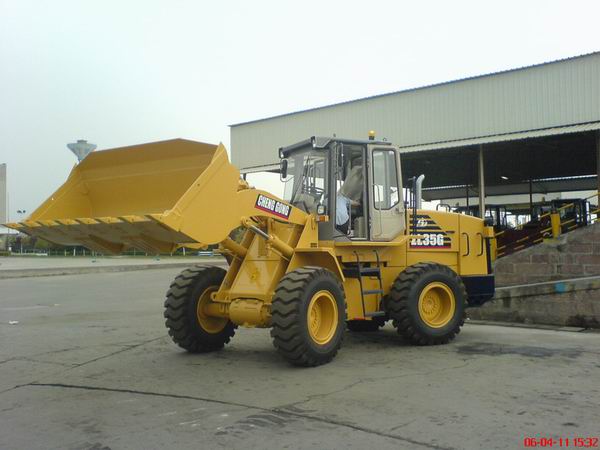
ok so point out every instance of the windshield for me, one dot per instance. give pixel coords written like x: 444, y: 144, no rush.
x: 306, y: 179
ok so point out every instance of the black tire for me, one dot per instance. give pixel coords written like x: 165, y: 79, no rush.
x: 181, y: 311
x: 289, y: 311
x: 364, y: 326
x: 403, y: 304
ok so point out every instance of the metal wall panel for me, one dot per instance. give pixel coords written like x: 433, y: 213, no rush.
x: 554, y: 94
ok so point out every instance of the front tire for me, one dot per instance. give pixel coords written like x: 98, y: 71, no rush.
x: 307, y: 316
x: 427, y: 304
x: 188, y: 326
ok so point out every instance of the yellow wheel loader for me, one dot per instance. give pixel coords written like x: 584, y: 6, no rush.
x: 341, y: 248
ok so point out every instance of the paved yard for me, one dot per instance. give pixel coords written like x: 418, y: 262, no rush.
x: 52, y: 262
x: 89, y: 366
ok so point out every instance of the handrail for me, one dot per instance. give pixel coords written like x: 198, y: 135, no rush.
x: 468, y: 244
x: 482, y: 242
x: 568, y: 205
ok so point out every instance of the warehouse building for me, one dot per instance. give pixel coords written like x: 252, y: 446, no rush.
x: 527, y: 131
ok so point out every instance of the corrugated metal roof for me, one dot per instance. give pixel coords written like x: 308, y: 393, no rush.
x: 578, y: 128
x: 566, y: 129
x: 428, y: 86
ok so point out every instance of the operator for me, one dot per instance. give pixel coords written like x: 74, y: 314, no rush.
x: 349, y: 194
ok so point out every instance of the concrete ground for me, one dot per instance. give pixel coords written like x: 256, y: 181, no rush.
x: 36, y: 266
x: 85, y: 363
x: 47, y: 262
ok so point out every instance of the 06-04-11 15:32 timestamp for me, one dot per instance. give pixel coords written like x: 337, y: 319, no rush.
x: 561, y: 442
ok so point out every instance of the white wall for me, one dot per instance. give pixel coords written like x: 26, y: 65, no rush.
x: 3, y: 196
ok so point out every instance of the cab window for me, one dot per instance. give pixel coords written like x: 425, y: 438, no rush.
x: 385, y: 179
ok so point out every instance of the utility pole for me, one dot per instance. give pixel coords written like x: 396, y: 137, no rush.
x: 21, y: 212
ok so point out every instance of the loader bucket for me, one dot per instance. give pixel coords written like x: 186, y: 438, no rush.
x: 113, y: 199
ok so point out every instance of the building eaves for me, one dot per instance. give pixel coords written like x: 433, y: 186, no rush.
x: 519, y: 135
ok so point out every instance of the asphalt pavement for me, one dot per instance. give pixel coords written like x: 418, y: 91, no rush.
x: 85, y: 363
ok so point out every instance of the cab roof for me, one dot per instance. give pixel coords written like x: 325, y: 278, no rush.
x: 324, y: 142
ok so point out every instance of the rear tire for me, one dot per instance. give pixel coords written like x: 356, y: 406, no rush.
x: 307, y: 316
x: 188, y: 326
x: 427, y: 304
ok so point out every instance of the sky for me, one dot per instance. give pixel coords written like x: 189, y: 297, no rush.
x: 125, y: 72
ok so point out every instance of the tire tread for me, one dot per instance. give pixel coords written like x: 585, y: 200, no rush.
x: 286, y: 314
x: 180, y: 325
x: 399, y: 299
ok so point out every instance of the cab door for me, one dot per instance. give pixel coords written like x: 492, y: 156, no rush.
x: 385, y: 193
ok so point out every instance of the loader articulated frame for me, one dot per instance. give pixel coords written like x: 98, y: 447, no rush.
x: 295, y: 269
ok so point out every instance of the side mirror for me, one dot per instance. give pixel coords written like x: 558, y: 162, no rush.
x: 283, y: 166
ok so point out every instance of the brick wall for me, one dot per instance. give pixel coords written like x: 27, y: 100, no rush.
x: 572, y: 255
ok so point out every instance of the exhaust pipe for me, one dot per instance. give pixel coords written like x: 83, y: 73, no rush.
x: 418, y: 190
x: 415, y: 194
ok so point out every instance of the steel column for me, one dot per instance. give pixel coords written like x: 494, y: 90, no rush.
x: 481, y: 184
x: 530, y: 198
x: 598, y: 157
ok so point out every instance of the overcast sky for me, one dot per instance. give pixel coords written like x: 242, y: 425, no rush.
x: 125, y: 72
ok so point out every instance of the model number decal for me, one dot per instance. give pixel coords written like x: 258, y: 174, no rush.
x: 272, y: 206
x: 430, y: 240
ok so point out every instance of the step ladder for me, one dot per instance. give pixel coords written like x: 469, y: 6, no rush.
x: 359, y: 272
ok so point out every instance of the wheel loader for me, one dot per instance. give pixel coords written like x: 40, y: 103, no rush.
x: 342, y: 248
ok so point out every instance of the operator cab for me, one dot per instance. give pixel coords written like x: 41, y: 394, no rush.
x: 331, y: 177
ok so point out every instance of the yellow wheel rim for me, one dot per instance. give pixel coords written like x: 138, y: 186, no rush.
x: 437, y: 305
x: 322, y: 317
x: 208, y: 323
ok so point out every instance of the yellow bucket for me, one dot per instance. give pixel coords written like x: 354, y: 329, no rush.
x: 114, y: 199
